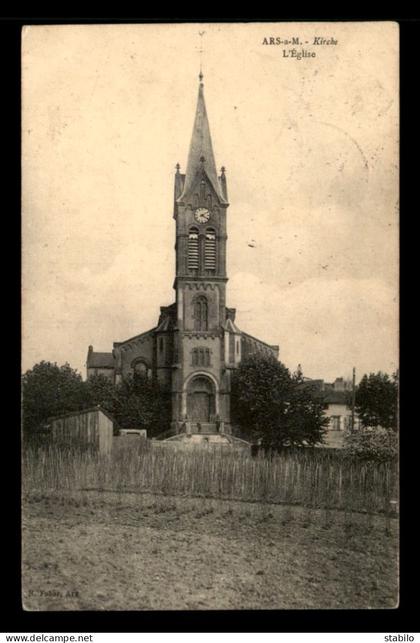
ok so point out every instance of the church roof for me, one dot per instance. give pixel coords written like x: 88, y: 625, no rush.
x: 246, y: 336
x: 201, y: 148
x: 136, y: 337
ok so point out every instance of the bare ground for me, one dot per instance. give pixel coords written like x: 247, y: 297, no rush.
x: 105, y: 551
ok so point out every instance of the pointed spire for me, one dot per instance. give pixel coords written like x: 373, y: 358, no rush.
x: 200, y: 156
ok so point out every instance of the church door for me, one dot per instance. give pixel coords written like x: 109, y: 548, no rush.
x: 200, y: 399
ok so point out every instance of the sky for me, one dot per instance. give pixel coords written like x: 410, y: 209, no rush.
x: 310, y: 148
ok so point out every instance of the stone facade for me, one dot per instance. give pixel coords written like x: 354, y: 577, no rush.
x: 196, y: 344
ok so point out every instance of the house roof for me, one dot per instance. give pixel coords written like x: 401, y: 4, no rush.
x: 91, y: 409
x: 100, y: 360
x: 336, y: 397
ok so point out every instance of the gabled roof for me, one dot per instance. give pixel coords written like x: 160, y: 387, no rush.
x: 201, y: 148
x: 100, y: 360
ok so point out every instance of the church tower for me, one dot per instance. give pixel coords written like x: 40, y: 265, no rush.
x: 195, y: 346
x: 200, y: 207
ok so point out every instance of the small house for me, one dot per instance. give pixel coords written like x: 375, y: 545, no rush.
x: 93, y: 427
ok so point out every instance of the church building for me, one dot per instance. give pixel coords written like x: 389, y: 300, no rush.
x: 196, y: 344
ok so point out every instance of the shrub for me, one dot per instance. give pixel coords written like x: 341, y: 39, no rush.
x: 378, y: 445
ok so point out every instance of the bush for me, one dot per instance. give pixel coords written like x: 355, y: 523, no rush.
x: 379, y: 445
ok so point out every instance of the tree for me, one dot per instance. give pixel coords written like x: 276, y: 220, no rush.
x: 48, y: 390
x: 376, y: 400
x: 141, y: 402
x: 101, y: 391
x: 271, y: 405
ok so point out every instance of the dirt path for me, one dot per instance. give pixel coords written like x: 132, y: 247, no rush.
x: 116, y: 553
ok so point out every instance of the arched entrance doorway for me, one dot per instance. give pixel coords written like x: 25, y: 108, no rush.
x: 200, y: 399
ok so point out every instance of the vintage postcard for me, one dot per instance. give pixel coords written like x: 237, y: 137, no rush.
x: 210, y: 223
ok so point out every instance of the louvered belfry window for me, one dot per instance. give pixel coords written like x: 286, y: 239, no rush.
x: 210, y: 250
x: 193, y: 251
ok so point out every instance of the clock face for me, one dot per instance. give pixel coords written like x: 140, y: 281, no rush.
x: 202, y: 215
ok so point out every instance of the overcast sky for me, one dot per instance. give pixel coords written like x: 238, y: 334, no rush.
x: 311, y: 154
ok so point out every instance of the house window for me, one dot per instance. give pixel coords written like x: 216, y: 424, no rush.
x: 200, y: 313
x: 335, y: 422
x: 193, y: 251
x: 210, y: 250
x: 160, y: 344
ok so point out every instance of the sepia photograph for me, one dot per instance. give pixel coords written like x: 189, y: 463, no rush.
x: 210, y: 322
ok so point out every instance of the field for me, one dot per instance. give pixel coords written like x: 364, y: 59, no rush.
x: 245, y: 534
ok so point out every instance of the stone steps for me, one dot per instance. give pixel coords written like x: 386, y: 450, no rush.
x: 206, y: 427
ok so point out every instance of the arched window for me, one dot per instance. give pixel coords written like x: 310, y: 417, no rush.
x: 140, y: 368
x: 193, y: 251
x: 200, y: 313
x: 210, y: 250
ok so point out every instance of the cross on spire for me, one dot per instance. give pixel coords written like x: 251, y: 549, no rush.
x: 201, y: 50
